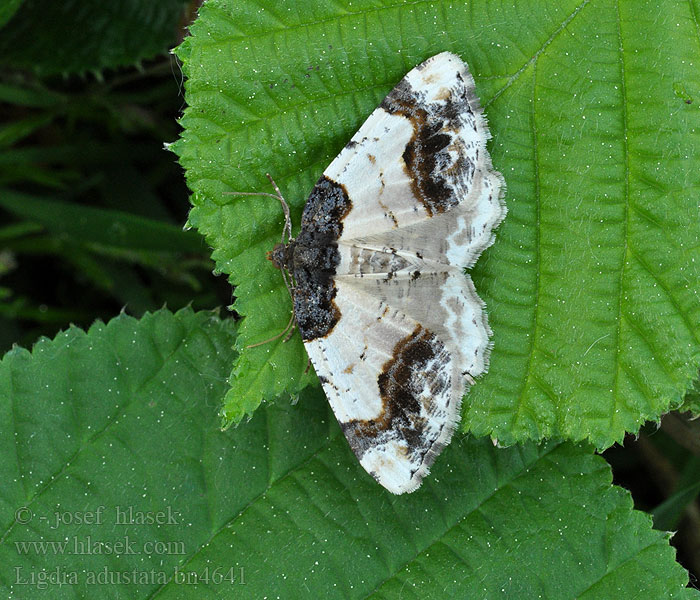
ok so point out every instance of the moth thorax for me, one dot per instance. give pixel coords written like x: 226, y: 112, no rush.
x: 282, y: 255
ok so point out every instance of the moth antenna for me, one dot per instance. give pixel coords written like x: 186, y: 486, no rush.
x: 285, y: 208
x: 288, y: 331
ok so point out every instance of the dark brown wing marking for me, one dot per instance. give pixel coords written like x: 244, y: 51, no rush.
x: 426, y: 157
x: 407, y: 384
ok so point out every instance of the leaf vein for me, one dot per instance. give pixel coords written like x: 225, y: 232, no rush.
x: 242, y: 511
x: 642, y: 336
x: 618, y: 566
x: 667, y: 291
x: 503, y: 485
x: 625, y: 250
x: 536, y: 55
x: 694, y: 15
x: 538, y: 250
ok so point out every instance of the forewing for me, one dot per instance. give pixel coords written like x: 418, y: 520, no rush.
x: 420, y: 159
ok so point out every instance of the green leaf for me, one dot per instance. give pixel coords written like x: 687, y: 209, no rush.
x: 7, y: 9
x: 109, y: 228
x: 591, y: 286
x: 35, y: 96
x: 73, y: 36
x: 104, y: 433
x: 691, y: 402
x: 18, y: 230
x: 21, y: 128
x: 668, y: 514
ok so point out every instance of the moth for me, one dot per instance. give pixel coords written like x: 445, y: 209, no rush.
x: 391, y: 322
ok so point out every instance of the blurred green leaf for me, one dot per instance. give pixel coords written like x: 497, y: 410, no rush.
x: 36, y: 174
x: 591, y: 286
x: 110, y: 228
x: 16, y: 130
x: 21, y: 307
x: 86, y: 154
x: 74, y: 36
x: 18, y: 230
x: 122, y: 418
x: 119, y: 273
x: 7, y: 9
x: 22, y: 95
x: 668, y: 514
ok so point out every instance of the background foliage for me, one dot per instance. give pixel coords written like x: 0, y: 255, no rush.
x: 92, y: 207
x: 591, y: 289
x: 281, y: 507
x: 106, y: 35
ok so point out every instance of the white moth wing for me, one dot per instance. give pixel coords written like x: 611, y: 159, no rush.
x: 419, y: 167
x: 392, y: 325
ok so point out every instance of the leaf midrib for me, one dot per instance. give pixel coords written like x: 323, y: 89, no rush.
x: 625, y: 235
x: 513, y: 78
x: 529, y: 373
x: 325, y: 447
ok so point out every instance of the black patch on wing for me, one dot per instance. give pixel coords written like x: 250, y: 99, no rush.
x: 433, y: 171
x: 313, y: 256
x: 415, y: 365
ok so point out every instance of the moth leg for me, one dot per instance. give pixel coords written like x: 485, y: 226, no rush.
x: 288, y: 330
